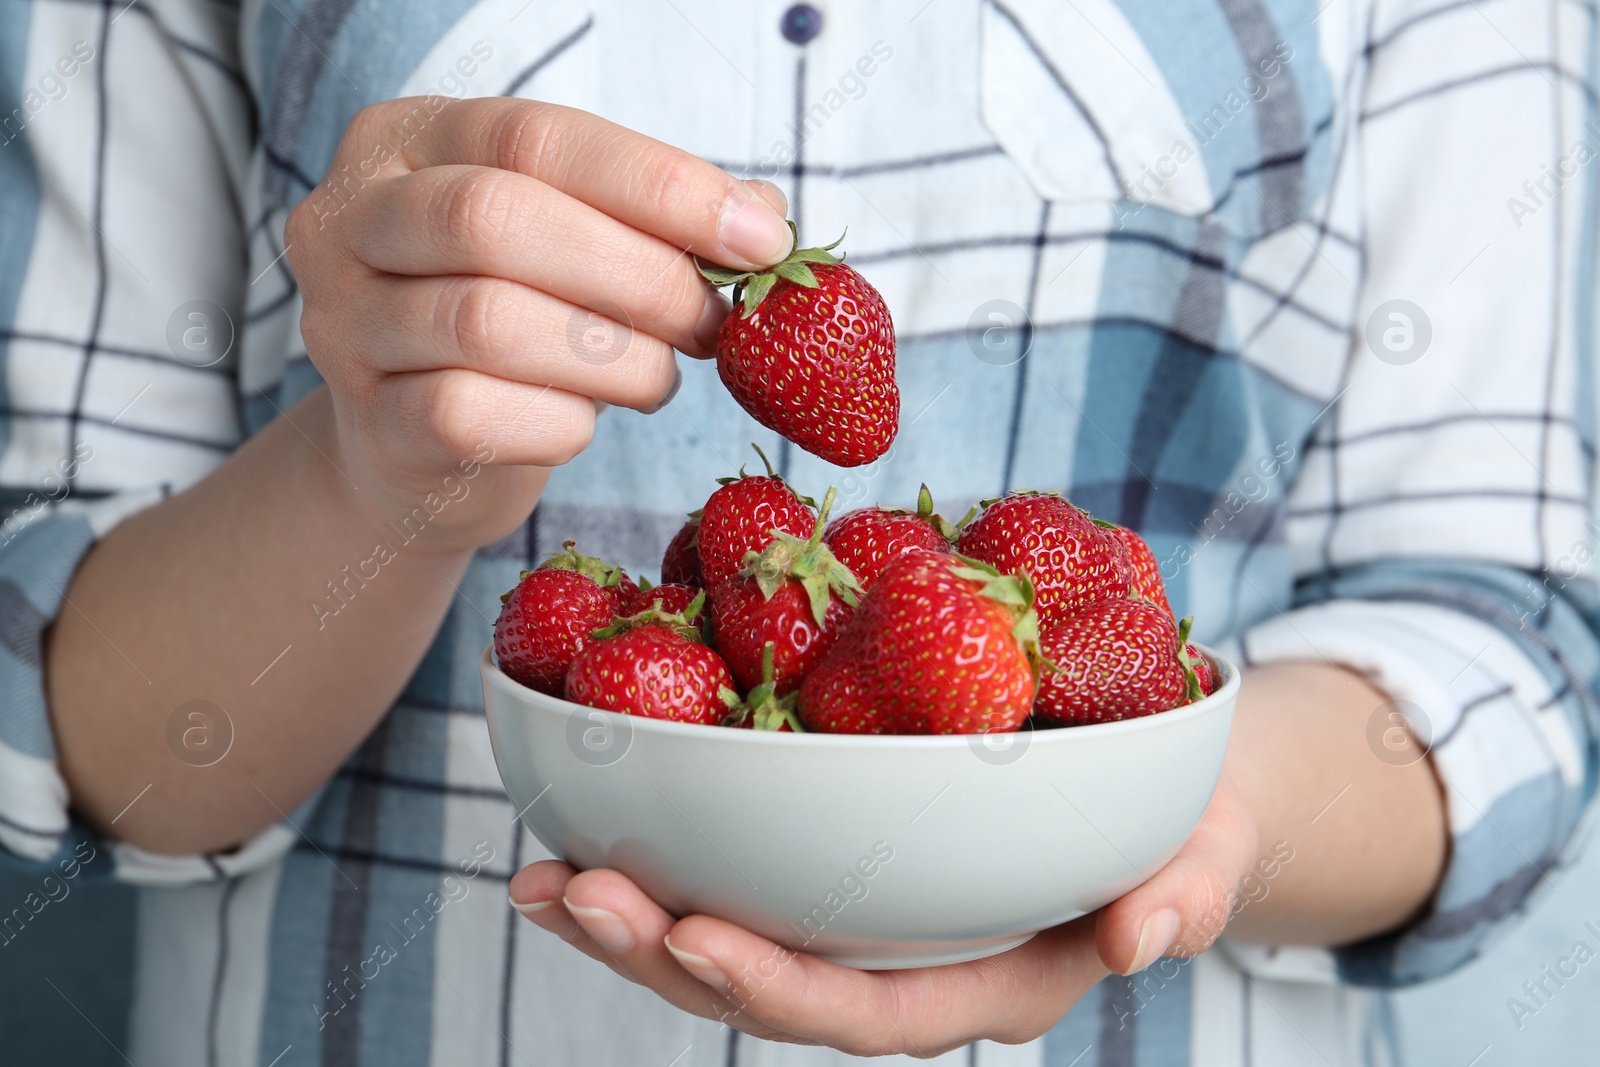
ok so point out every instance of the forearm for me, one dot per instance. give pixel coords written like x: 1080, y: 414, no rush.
x: 1369, y: 837
x: 209, y: 596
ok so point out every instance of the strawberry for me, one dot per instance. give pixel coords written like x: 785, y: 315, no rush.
x: 942, y: 644
x: 865, y: 540
x: 740, y: 518
x: 608, y: 576
x: 795, y: 595
x: 1071, y: 561
x: 1116, y: 659
x: 670, y: 598
x: 810, y: 353
x: 681, y: 563
x: 545, y: 622
x: 763, y: 708
x: 1202, y: 670
x: 653, y: 664
x: 1146, y: 580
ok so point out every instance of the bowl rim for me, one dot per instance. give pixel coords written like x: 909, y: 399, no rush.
x: 1223, y: 696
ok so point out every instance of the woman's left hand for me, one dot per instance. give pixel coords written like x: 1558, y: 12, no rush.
x: 719, y: 971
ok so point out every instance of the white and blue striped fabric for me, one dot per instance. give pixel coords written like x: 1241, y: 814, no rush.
x: 1303, y: 291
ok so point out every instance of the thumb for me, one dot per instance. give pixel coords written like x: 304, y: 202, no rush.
x: 1184, y: 907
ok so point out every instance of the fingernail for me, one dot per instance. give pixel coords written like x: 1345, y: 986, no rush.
x: 606, y: 927
x: 542, y: 915
x: 532, y: 905
x: 699, y: 966
x: 705, y: 334
x: 750, y: 229
x: 1155, y: 937
x: 677, y: 383
x: 771, y: 194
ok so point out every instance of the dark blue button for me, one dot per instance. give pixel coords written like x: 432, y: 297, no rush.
x: 801, y: 23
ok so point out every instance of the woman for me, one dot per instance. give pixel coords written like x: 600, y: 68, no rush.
x: 1243, y: 276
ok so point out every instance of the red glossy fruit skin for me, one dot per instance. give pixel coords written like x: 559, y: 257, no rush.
x: 865, y: 540
x: 817, y: 365
x: 1118, y: 660
x: 653, y: 672
x: 740, y: 518
x: 1202, y: 670
x: 671, y: 597
x: 625, y: 593
x: 742, y: 622
x: 1146, y: 571
x: 924, y: 653
x: 546, y: 623
x: 681, y: 562
x: 1072, y: 562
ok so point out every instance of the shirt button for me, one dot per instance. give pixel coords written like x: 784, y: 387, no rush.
x: 801, y: 23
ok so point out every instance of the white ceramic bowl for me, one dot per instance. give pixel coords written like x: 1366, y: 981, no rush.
x: 870, y: 851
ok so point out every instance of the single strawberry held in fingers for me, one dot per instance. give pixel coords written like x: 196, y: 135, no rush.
x: 1146, y: 580
x: 865, y: 540
x: 789, y: 601
x: 655, y: 665
x: 545, y: 622
x: 809, y: 352
x: 741, y: 516
x: 1115, y: 659
x: 1071, y: 561
x: 608, y: 576
x: 941, y: 644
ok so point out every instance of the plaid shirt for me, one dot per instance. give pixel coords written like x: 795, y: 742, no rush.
x: 1304, y: 294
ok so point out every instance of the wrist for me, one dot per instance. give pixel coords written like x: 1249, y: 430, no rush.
x: 443, y: 510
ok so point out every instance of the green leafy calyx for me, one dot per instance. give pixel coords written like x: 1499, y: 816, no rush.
x: 750, y: 287
x: 606, y: 575
x: 763, y: 706
x: 807, y: 561
x: 1015, y: 591
x: 681, y: 623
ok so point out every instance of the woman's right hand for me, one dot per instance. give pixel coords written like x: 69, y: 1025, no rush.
x: 480, y: 276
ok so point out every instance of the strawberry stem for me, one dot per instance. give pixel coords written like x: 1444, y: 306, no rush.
x: 769, y: 711
x: 771, y: 473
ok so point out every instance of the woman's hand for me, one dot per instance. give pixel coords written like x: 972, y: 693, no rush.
x: 720, y: 971
x: 480, y: 276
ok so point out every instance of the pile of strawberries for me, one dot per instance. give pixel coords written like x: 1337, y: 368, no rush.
x: 881, y: 621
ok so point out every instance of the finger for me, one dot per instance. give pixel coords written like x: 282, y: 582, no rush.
x: 1184, y: 907
x: 509, y: 331
x: 632, y: 929
x: 535, y: 891
x: 651, y: 186
x: 475, y: 220
x: 1013, y: 997
x: 446, y: 415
